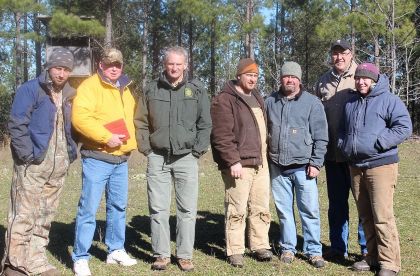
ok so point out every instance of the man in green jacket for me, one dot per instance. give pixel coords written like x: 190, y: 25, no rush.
x: 173, y: 127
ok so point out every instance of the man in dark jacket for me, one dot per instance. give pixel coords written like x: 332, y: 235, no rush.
x: 238, y: 140
x: 173, y: 127
x: 42, y: 150
x: 375, y: 123
x: 298, y: 139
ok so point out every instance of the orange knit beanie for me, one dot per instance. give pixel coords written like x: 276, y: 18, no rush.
x: 247, y: 65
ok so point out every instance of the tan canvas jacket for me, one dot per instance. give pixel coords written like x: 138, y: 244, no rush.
x: 334, y: 91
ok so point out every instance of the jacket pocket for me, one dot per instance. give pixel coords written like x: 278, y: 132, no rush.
x: 187, y: 114
x: 273, y: 138
x: 300, y: 143
x: 158, y: 111
x: 159, y: 139
x: 185, y: 138
x: 345, y: 145
x: 365, y: 145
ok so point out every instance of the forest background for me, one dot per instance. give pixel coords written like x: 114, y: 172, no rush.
x: 217, y: 33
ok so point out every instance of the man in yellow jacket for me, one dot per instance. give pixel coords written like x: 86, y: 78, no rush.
x: 102, y: 115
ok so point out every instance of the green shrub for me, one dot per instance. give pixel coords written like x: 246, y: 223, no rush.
x: 5, y: 104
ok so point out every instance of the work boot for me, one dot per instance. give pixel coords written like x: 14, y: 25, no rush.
x: 361, y: 266
x: 11, y: 271
x: 386, y: 272
x: 185, y: 264
x: 236, y: 260
x: 287, y: 257
x: 161, y: 263
x: 317, y: 261
x: 263, y: 255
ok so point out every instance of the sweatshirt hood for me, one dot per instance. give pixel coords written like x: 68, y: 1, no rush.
x: 45, y: 82
x: 382, y: 86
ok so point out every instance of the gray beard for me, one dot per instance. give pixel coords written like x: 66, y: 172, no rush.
x: 289, y: 89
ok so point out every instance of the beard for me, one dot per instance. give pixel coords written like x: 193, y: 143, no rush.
x: 289, y: 89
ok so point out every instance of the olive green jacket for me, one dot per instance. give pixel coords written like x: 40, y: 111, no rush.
x: 173, y: 120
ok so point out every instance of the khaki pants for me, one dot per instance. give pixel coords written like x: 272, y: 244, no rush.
x: 247, y: 198
x: 373, y: 190
x: 34, y: 199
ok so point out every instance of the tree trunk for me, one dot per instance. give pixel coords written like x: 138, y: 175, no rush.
x: 249, y: 47
x: 282, y: 24
x: 307, y: 28
x: 144, y: 49
x: 191, y: 46
x: 213, y: 57
x: 25, y: 49
x: 155, y: 33
x: 276, y: 32
x: 180, y: 30
x: 108, y: 25
x: 377, y: 48
x: 37, y: 30
x: 18, y: 51
x: 393, y: 49
x: 407, y: 73
x: 353, y: 31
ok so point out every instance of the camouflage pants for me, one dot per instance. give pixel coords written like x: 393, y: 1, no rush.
x: 34, y: 199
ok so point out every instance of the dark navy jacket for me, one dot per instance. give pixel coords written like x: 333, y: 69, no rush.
x: 32, y: 119
x: 373, y: 127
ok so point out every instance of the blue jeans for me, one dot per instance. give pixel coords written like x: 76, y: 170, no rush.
x: 284, y: 188
x: 338, y: 185
x: 98, y: 176
x: 183, y: 170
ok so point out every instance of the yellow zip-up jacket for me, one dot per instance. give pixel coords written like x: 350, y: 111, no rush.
x: 99, y: 102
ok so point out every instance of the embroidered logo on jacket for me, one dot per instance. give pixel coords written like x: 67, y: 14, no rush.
x: 188, y: 92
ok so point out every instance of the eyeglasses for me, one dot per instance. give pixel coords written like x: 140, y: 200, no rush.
x: 338, y: 54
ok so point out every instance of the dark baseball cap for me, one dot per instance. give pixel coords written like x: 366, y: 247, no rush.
x: 342, y: 44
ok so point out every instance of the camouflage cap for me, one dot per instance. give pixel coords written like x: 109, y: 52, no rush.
x: 112, y: 55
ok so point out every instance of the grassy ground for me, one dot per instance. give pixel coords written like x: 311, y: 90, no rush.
x: 209, y: 253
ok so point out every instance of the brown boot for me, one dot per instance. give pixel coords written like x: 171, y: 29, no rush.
x: 11, y: 271
x: 360, y: 266
x: 287, y: 257
x: 236, y: 260
x: 317, y: 261
x: 161, y: 263
x: 185, y: 265
x: 263, y: 255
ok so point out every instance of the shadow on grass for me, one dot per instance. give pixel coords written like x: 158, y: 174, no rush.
x: 2, y: 244
x: 209, y: 234
x: 62, y: 239
x: 274, y: 235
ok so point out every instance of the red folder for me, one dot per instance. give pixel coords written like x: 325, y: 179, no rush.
x: 118, y: 127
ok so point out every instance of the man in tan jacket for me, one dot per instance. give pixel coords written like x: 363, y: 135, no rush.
x: 333, y: 89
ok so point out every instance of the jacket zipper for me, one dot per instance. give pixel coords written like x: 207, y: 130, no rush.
x: 358, y: 118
